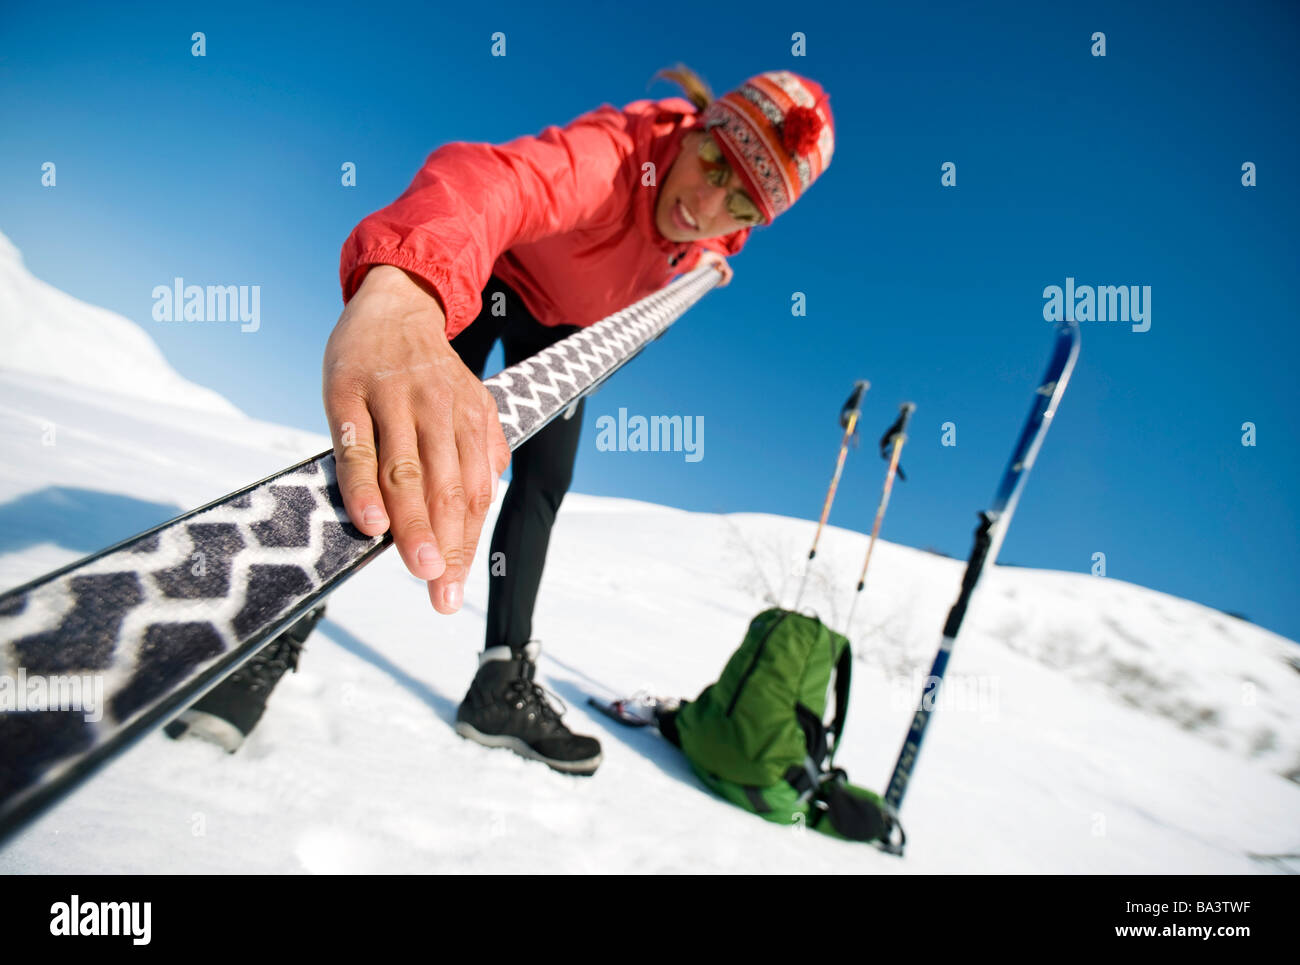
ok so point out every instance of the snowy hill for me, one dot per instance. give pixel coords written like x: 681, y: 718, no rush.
x: 1087, y: 725
x: 49, y: 333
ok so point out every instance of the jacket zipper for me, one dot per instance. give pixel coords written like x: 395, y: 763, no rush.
x: 753, y: 664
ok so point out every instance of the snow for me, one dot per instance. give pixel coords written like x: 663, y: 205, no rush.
x: 1086, y: 725
x: 49, y: 333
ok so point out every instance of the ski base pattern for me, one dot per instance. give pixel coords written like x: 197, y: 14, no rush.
x: 170, y: 612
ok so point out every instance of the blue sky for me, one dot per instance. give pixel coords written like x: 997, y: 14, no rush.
x: 1117, y: 170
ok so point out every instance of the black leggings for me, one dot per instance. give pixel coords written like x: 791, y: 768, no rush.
x: 541, y: 471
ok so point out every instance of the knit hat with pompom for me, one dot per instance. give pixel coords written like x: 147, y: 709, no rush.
x: 777, y: 134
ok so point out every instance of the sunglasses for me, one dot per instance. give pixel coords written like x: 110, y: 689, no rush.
x: 717, y: 171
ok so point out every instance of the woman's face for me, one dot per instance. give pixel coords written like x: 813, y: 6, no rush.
x: 690, y: 207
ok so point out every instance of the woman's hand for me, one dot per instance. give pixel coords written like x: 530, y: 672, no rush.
x: 719, y: 262
x: 417, y: 441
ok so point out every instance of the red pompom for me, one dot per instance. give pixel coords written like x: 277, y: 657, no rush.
x: 800, y: 129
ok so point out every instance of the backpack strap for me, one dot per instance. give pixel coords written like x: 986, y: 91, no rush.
x: 843, y: 677
x: 806, y: 777
x: 821, y: 741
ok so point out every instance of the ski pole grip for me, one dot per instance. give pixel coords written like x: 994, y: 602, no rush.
x: 854, y: 401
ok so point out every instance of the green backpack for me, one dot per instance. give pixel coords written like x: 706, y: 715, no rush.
x: 758, y: 739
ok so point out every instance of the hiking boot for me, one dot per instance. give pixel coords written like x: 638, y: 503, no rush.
x: 505, y: 708
x: 227, y: 713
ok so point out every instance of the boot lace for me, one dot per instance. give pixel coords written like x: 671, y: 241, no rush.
x: 528, y: 694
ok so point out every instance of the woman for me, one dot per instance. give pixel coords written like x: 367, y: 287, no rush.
x: 527, y: 242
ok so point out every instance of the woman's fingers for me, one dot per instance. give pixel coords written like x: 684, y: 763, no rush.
x: 479, y: 488
x: 355, y: 460
x: 718, y: 262
x: 403, y: 479
x: 447, y: 501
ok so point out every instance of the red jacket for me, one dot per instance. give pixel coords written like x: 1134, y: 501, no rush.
x: 562, y: 218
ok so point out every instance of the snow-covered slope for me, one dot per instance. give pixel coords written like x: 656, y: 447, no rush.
x: 49, y: 333
x: 1086, y: 725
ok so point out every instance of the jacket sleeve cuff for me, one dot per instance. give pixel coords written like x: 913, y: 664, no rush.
x: 438, y: 278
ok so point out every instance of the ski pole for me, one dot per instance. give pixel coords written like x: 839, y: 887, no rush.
x: 891, y: 447
x: 849, y: 421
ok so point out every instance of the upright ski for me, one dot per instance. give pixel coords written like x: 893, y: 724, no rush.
x: 149, y: 625
x: 989, y: 534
